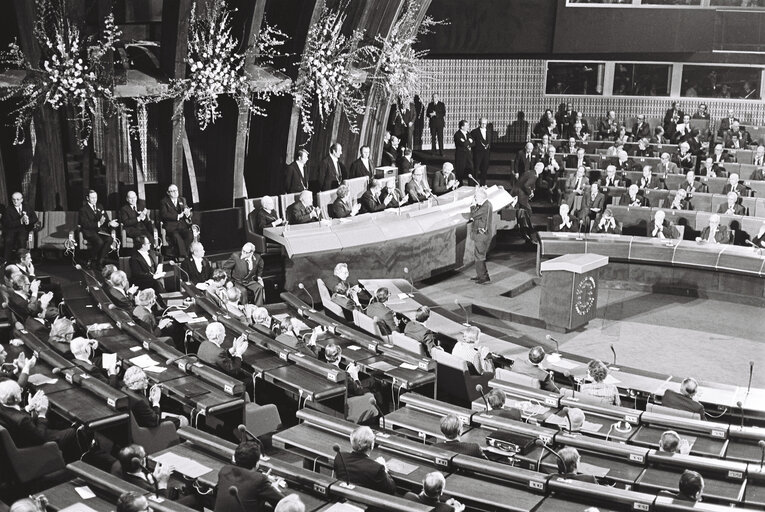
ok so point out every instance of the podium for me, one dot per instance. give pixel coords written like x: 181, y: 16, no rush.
x: 569, y: 296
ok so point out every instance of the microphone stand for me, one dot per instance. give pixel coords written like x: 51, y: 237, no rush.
x: 479, y: 388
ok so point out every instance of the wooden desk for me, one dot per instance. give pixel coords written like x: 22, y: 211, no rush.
x: 488, y: 495
x: 64, y: 495
x: 620, y: 471
x: 705, y: 446
x: 654, y: 480
x: 554, y: 503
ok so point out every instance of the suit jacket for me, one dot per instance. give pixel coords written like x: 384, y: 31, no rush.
x: 740, y: 189
x: 524, y: 366
x: 415, y: 196
x: 437, y: 121
x: 686, y: 162
x: 438, y: 506
x: 294, y: 180
x: 253, y: 486
x: 219, y: 358
x: 361, y: 470
x: 195, y: 275
x: 675, y: 400
x: 394, y: 202
x: 370, y: 204
x: 647, y: 152
x: 615, y: 230
x: 440, y: 183
x: 24, y: 308
x: 526, y: 185
x: 383, y: 314
x: 725, y: 124
x: 571, y: 184
x: 667, y: 229
x: 339, y: 209
x: 722, y: 236
x: 141, y: 273
x: 642, y: 131
x: 524, y: 163
x: 12, y: 218
x: 329, y: 177
x: 758, y: 175
x: 145, y: 319
x: 639, y: 200
x: 606, y: 182
x: 25, y: 430
x: 168, y: 213
x: 240, y: 272
x: 297, y: 213
x: 358, y: 169
x: 482, y: 219
x: 737, y: 209
x: 669, y: 168
x: 463, y: 145
x: 419, y: 332
x: 404, y: 165
x: 481, y: 143
x: 588, y: 202
x: 264, y: 219
x: 557, y: 220
x: 652, y: 184
x: 462, y: 447
x: 144, y: 413
x: 91, y: 221
x: 572, y: 162
x: 119, y: 299
x: 130, y: 223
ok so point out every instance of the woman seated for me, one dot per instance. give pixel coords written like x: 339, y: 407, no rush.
x: 599, y: 388
x: 469, y: 349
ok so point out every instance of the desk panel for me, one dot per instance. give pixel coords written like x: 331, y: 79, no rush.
x: 475, y: 492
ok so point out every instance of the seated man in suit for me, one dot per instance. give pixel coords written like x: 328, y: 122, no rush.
x: 397, y: 199
x: 144, y: 267
x: 120, y: 291
x: 342, y: 296
x: 175, y: 214
x: 734, y: 185
x: 610, y: 180
x: 530, y: 366
x: 341, y: 207
x: 496, y: 399
x: 666, y: 166
x: 661, y: 228
x: 684, y: 400
x: 333, y: 355
x: 197, y: 268
x: 371, y: 201
x: 568, y: 466
x: 576, y: 184
x: 732, y: 206
x: 146, y: 410
x: 563, y: 221
x: 720, y: 157
x: 143, y: 315
x: 356, y: 466
x: 712, y: 170
x: 444, y: 180
x: 417, y: 330
x: 18, y: 369
x: 451, y: 428
x: 606, y: 224
x: 681, y: 201
x: 691, y: 185
x: 134, y: 217
x: 18, y: 221
x: 641, y: 130
x: 592, y: 205
x: 671, y: 442
x: 623, y: 162
x: 266, y: 216
x: 405, y: 163
x: 433, y: 486
x: 303, y: 210
x: 643, y: 150
x: 648, y: 182
x: 714, y: 232
x: 386, y: 320
x: 254, y: 488
x: 690, y: 486
x: 634, y: 198
x: 131, y: 461
x: 341, y: 274
x: 246, y: 269
x: 578, y: 160
x: 417, y: 188
x: 84, y: 354
x: 25, y: 302
x: 210, y: 351
x: 758, y: 174
x: 94, y: 222
x: 684, y: 158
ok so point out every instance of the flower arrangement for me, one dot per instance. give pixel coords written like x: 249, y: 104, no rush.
x: 326, y: 76
x: 215, y: 67
x: 397, y: 66
x: 69, y: 74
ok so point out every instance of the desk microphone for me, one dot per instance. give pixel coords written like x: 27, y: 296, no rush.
x: 244, y: 432
x: 761, y: 444
x: 561, y: 463
x: 464, y: 311
x: 173, y: 264
x: 373, y: 403
x: 234, y: 491
x: 184, y: 356
x: 613, y: 350
x: 336, y: 448
x: 751, y: 372
x: 302, y: 287
x: 570, y: 376
x: 557, y: 347
x: 136, y: 462
x: 474, y: 181
x: 741, y: 409
x: 409, y: 278
x: 479, y: 388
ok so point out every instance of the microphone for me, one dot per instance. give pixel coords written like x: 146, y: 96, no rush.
x: 479, y: 388
x: 234, y: 491
x: 373, y: 403
x: 613, y: 350
x: 464, y: 311
x: 761, y: 444
x: 572, y: 380
x: 474, y: 181
x: 409, y: 278
x: 751, y: 371
x: 188, y: 278
x: 550, y: 338
x: 567, y: 410
x: 184, y: 356
x: 741, y: 408
x: 347, y: 483
x: 244, y: 432
x: 302, y: 287
x: 561, y: 463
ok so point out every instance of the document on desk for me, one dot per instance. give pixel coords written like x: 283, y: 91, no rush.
x: 343, y: 507
x: 591, y: 469
x: 85, y: 492
x: 38, y: 379
x: 399, y: 466
x: 182, y: 465
x: 78, y: 507
x: 144, y: 361
x: 155, y: 369
x: 408, y: 366
x: 382, y: 366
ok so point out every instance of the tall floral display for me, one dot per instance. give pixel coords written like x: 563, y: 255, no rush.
x: 326, y: 78
x: 215, y: 67
x: 69, y: 74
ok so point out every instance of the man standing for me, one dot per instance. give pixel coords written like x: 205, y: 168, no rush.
x: 481, y: 228
x: 419, y: 121
x: 331, y: 169
x: 18, y: 221
x: 362, y: 166
x: 525, y: 159
x: 483, y: 138
x: 93, y: 221
x: 463, y: 151
x: 436, y: 120
x: 296, y: 175
x: 134, y: 217
x: 176, y: 216
x: 246, y: 269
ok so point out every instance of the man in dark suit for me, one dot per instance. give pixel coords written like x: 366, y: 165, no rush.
x: 302, y: 210
x: 745, y: 140
x: 463, y: 151
x: 530, y: 367
x: 672, y: 116
x: 377, y: 309
x: 253, y: 487
x: 433, y: 486
x: 649, y: 182
x: 608, y: 127
x: 24, y: 300
x: 481, y: 220
x: 525, y: 159
x: 443, y: 180
x: 684, y: 399
x: 758, y: 158
x: 144, y: 265
x: 406, y: 163
x: 246, y: 269
x: 496, y: 399
x: 340, y: 207
x: 370, y: 200
x: 266, y: 216
x: 417, y: 189
x: 641, y: 129
x: 390, y: 151
x: 731, y: 207
x: 18, y: 221
x: 331, y: 170
x: 296, y: 174
x: 577, y: 160
x: 734, y: 185
x: 119, y: 290
x: 661, y: 228
x: 526, y: 186
x: 134, y: 217
x: 146, y: 411
x: 198, y: 268
x: 714, y: 232
x: 483, y: 138
x: 701, y: 113
x: 357, y: 468
x: 568, y: 466
x: 592, y: 204
x: 633, y: 197
x: 175, y: 214
x: 211, y: 352
x: 362, y: 167
x: 726, y: 123
x: 94, y: 220
x: 451, y: 428
x: 643, y: 150
x: 417, y: 330
x: 606, y: 223
x: 436, y: 114
x: 563, y: 222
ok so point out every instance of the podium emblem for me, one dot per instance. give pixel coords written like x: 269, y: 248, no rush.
x: 584, y: 295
